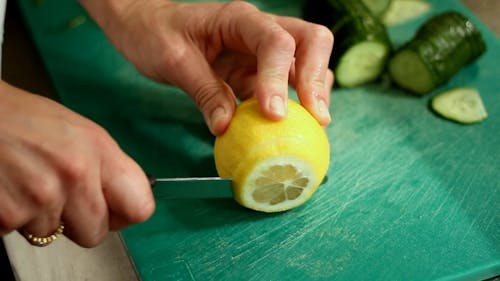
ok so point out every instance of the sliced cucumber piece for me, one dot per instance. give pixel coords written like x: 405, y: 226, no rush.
x: 358, y: 33
x: 362, y: 62
x: 377, y: 7
x: 362, y: 44
x: 401, y: 11
x: 462, y: 105
x: 411, y: 73
x: 439, y: 49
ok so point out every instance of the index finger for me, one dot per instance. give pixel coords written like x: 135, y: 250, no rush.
x: 250, y: 30
x: 125, y: 186
x: 314, y: 47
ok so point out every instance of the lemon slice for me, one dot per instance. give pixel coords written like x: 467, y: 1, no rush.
x: 275, y: 165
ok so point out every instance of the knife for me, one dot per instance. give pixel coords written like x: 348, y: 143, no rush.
x: 191, y: 188
x: 194, y: 188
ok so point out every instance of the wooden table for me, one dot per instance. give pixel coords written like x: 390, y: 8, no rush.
x: 63, y: 260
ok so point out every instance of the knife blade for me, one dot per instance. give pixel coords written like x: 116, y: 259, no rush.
x: 191, y: 188
x: 194, y: 187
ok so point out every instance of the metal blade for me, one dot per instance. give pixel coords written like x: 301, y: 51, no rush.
x: 191, y: 188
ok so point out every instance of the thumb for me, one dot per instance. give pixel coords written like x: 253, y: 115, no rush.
x: 213, y: 97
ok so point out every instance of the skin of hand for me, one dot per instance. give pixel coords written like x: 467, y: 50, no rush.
x: 56, y: 165
x: 218, y: 52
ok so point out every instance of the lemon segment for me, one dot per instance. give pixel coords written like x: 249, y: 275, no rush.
x: 275, y: 165
x: 277, y: 184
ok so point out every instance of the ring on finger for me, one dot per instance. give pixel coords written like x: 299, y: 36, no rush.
x: 43, y: 241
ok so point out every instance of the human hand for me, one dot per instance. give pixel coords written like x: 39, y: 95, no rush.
x: 57, y: 166
x: 216, y: 52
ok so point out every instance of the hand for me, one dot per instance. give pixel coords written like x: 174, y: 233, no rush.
x: 217, y: 52
x: 57, y: 166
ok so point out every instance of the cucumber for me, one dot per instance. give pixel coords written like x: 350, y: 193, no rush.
x: 439, y: 49
x: 362, y: 44
x: 377, y: 7
x: 462, y: 105
x: 401, y: 11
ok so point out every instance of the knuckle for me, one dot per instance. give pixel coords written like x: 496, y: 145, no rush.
x: 99, y: 211
x: 238, y: 7
x: 99, y: 134
x: 73, y: 168
x: 172, y: 58
x: 100, y: 138
x: 282, y: 40
x: 321, y: 33
x: 318, y: 85
x: 206, y: 94
x: 41, y: 191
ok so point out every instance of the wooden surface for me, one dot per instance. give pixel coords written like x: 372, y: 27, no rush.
x: 65, y: 261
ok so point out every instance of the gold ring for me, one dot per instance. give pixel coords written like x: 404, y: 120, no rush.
x: 43, y: 241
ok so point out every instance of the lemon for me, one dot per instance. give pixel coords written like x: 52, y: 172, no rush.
x: 275, y: 165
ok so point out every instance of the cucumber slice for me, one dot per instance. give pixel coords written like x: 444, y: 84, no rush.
x: 362, y: 44
x: 362, y: 62
x: 358, y: 33
x: 410, y: 72
x: 440, y: 48
x: 401, y: 11
x: 462, y: 105
x: 377, y: 7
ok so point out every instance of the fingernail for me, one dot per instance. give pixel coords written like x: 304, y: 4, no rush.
x: 277, y: 106
x: 323, y: 111
x: 217, y: 115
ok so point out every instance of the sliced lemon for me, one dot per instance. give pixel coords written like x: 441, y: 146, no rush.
x: 275, y: 165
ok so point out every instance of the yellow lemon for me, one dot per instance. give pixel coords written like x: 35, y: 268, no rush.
x: 275, y: 165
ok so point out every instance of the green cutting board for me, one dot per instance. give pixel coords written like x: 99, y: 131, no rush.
x: 410, y: 196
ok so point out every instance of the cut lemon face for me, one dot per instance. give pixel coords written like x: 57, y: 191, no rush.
x: 275, y: 165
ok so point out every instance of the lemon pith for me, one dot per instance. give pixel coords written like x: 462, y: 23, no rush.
x: 275, y: 165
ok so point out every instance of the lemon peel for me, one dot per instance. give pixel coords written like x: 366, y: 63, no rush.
x: 275, y: 165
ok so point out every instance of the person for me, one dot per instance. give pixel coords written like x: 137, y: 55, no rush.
x: 57, y: 166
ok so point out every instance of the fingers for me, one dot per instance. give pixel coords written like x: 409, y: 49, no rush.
x: 30, y: 195
x: 275, y: 56
x: 212, y: 95
x: 258, y: 33
x: 126, y: 190
x: 330, y: 79
x: 313, y: 79
x: 44, y: 224
x: 65, y: 169
x: 238, y: 70
x: 286, y: 49
x: 86, y: 214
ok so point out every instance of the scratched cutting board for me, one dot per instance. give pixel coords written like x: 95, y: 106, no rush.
x: 410, y: 196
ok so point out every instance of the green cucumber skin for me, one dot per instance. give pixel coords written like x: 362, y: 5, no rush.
x: 354, y: 24
x: 350, y: 21
x: 377, y: 7
x: 446, y: 43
